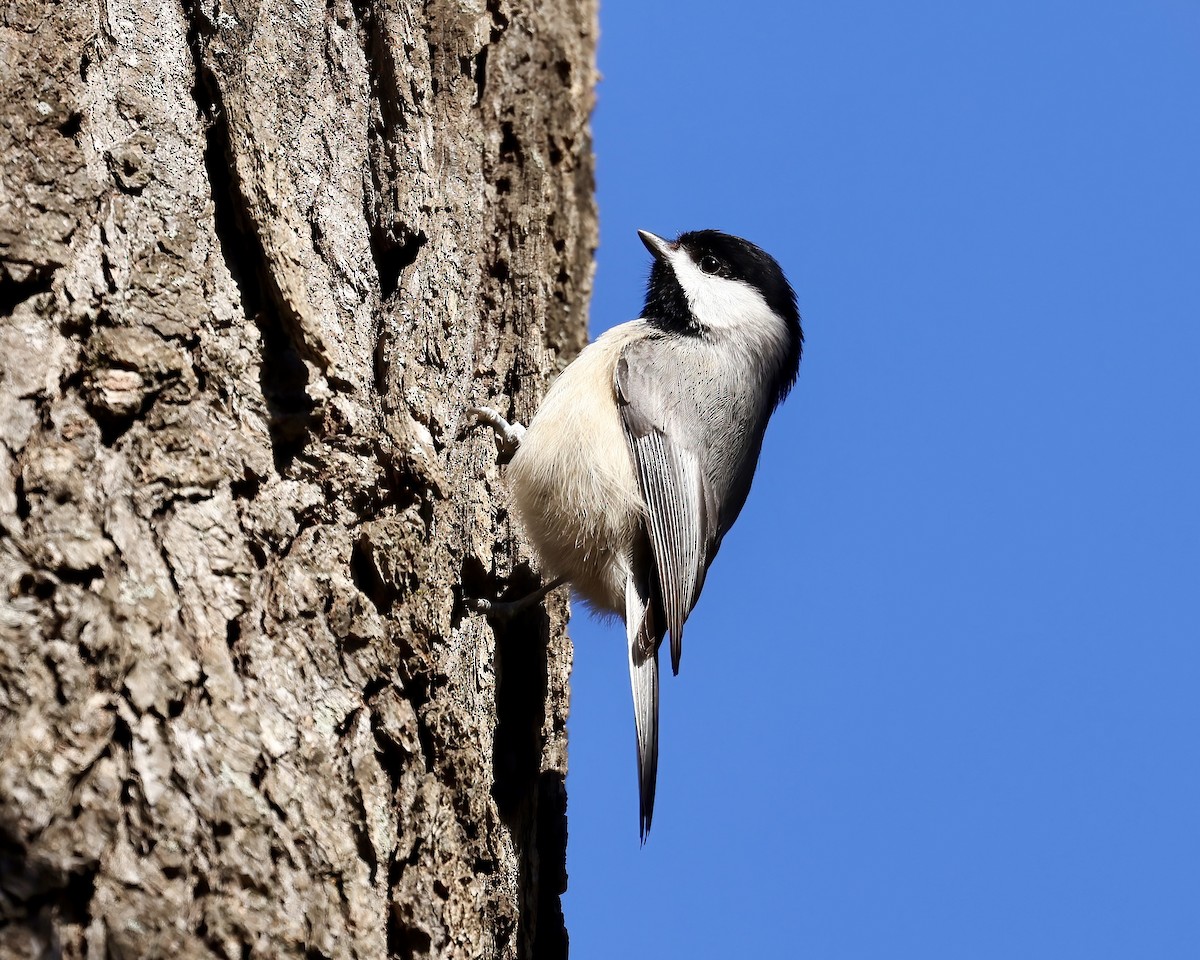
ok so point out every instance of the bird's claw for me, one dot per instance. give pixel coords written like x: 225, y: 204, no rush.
x: 504, y: 609
x: 508, y: 435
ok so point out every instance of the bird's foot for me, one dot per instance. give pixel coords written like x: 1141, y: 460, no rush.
x: 508, y: 435
x: 506, y: 609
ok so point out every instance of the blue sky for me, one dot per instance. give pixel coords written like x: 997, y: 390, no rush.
x: 941, y: 696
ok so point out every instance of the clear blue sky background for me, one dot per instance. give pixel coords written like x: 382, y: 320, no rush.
x: 941, y: 696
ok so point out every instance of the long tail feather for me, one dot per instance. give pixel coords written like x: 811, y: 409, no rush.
x: 643, y: 679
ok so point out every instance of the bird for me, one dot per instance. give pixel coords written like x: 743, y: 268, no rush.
x: 640, y: 457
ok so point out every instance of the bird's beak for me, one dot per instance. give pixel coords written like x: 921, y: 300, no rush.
x: 661, y: 248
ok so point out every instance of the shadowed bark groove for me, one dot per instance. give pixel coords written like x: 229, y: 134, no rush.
x: 256, y: 260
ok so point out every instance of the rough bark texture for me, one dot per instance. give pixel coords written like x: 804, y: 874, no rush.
x: 256, y: 259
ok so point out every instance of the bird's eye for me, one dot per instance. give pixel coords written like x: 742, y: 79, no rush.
x: 710, y: 264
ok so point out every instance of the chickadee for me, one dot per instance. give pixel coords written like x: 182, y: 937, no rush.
x: 640, y: 457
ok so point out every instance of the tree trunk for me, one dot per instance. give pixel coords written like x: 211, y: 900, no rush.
x: 256, y: 260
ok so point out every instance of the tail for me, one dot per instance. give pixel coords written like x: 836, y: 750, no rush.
x: 644, y: 640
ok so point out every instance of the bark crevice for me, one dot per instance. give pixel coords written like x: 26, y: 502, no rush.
x: 284, y: 376
x: 35, y: 279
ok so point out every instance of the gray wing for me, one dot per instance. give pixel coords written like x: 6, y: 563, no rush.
x: 661, y: 425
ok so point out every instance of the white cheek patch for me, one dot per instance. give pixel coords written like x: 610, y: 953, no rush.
x: 730, y: 306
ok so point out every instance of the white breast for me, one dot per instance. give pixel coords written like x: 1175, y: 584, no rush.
x: 573, y: 459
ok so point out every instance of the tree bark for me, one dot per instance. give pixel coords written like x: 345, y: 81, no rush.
x: 256, y: 261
